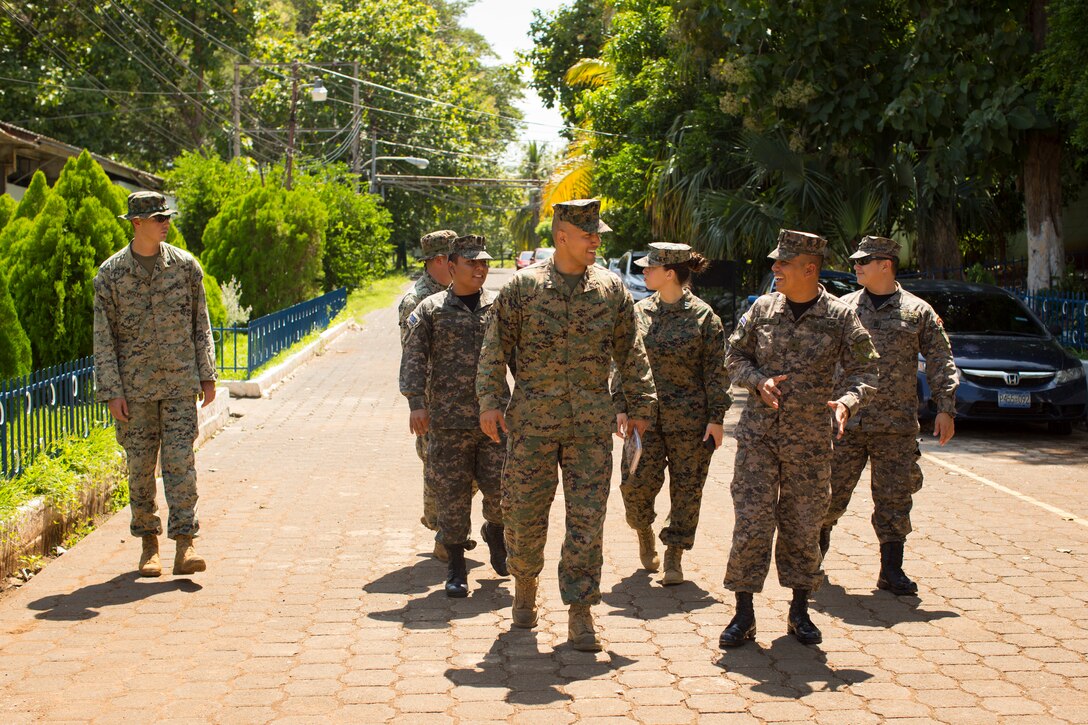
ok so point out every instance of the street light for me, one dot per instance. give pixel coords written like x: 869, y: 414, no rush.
x: 373, y: 163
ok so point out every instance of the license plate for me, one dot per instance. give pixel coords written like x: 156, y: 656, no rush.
x: 1013, y: 399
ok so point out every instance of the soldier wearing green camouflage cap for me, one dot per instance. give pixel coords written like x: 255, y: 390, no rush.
x: 884, y: 435
x: 685, y: 342
x: 153, y: 356
x: 786, y: 350
x: 470, y: 246
x: 564, y: 321
x: 435, y: 278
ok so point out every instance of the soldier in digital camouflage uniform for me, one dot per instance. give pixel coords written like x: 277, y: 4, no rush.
x: 435, y: 278
x: 884, y: 434
x: 153, y: 355
x: 438, y: 376
x: 785, y: 351
x: 685, y: 342
x: 566, y: 320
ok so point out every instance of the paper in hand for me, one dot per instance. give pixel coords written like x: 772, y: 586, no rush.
x: 632, y: 451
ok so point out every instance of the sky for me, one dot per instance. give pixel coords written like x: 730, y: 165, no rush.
x: 505, y: 25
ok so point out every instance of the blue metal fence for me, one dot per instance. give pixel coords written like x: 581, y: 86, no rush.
x: 49, y: 404
x: 1067, y: 310
x: 265, y: 337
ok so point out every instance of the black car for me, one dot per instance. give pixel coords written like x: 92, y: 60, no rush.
x: 1011, y: 367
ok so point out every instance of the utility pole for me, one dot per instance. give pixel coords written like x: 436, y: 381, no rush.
x: 291, y: 127
x: 373, y: 159
x: 355, y: 160
x: 236, y: 103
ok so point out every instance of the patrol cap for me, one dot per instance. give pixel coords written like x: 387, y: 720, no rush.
x: 791, y: 243
x: 582, y: 213
x: 142, y: 204
x: 470, y: 246
x: 880, y: 247
x: 663, y: 253
x: 436, y: 244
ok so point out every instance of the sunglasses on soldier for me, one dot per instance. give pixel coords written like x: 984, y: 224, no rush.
x: 159, y: 218
x: 862, y: 261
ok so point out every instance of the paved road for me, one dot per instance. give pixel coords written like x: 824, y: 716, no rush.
x: 321, y: 605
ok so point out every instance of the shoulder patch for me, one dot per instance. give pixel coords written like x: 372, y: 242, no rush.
x: 413, y: 319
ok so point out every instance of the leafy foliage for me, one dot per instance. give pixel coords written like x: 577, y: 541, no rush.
x: 1062, y: 70
x: 201, y: 183
x: 14, y: 344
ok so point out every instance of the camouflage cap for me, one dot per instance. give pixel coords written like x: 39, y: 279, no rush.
x: 582, y: 213
x: 792, y: 243
x: 436, y: 244
x: 142, y: 204
x: 470, y: 246
x: 881, y: 247
x: 663, y: 253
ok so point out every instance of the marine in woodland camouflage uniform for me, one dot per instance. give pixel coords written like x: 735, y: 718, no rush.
x: 561, y: 412
x: 685, y: 342
x: 153, y: 351
x: 885, y: 433
x: 432, y: 245
x: 438, y: 373
x: 783, y: 462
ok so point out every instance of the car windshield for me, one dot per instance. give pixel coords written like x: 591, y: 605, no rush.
x: 972, y: 313
x: 544, y: 252
x: 635, y: 269
x: 525, y: 255
x: 839, y: 286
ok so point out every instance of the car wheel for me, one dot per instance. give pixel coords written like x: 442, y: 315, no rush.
x: 1060, y: 427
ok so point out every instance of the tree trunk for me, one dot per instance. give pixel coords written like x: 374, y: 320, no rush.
x: 938, y: 244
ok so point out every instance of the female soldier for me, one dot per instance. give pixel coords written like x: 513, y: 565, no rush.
x: 685, y: 342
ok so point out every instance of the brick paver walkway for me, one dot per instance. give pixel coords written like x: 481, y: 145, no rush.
x: 321, y: 605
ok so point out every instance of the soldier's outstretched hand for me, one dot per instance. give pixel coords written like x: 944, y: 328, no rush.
x: 944, y: 427
x: 841, y: 415
x: 419, y: 421
x: 621, y: 425
x: 119, y: 409
x: 207, y: 392
x: 491, y: 421
x: 769, y: 392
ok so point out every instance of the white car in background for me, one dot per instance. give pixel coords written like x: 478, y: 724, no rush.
x: 631, y: 273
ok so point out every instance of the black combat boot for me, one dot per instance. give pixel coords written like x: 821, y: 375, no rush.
x: 799, y: 624
x: 892, y: 577
x: 825, y: 542
x: 456, y: 575
x: 743, y: 626
x: 495, y: 536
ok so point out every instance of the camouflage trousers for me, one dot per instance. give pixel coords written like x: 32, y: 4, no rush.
x: 455, y: 458
x: 168, y: 427
x: 895, y: 477
x: 430, y: 518
x: 778, y: 484
x: 688, y: 461
x: 530, y: 479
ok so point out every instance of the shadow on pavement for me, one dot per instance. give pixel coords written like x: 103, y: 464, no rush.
x: 530, y: 676
x: 876, y: 609
x: 122, y: 589
x: 788, y: 668
x: 415, y: 578
x: 638, y: 596
x: 436, y: 610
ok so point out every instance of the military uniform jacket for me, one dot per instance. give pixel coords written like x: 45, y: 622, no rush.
x: 152, y: 338
x: 769, y: 342
x: 564, y: 346
x: 903, y: 327
x: 423, y: 288
x: 685, y: 342
x: 438, y: 365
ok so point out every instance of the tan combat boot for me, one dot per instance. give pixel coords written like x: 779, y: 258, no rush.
x: 673, y: 573
x: 440, y: 552
x: 647, y: 549
x: 149, y: 557
x: 580, y: 631
x: 524, y: 611
x: 186, y: 560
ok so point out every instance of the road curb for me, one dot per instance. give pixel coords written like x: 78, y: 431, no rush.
x: 263, y: 386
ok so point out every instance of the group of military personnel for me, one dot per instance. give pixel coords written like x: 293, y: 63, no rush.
x: 830, y: 381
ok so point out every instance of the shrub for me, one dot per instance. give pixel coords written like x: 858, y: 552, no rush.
x: 14, y: 344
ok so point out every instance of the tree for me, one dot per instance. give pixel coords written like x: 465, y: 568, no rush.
x: 560, y: 40
x: 202, y: 182
x: 15, y: 356
x: 7, y: 211
x: 272, y: 241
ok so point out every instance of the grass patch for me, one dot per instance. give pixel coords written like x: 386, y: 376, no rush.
x: 381, y: 293
x: 59, y: 475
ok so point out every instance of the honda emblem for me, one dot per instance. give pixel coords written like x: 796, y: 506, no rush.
x: 1012, y: 378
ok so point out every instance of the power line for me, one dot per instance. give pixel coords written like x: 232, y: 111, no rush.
x: 64, y: 86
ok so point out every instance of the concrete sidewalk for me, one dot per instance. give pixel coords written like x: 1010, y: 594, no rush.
x: 320, y: 603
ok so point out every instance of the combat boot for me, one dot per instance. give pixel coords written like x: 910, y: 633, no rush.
x: 580, y: 630
x: 440, y: 552
x: 149, y: 557
x: 892, y: 577
x: 799, y: 624
x: 186, y: 560
x: 743, y: 625
x: 825, y: 542
x: 673, y: 573
x: 647, y: 549
x: 456, y: 573
x: 524, y: 611
x: 495, y: 537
